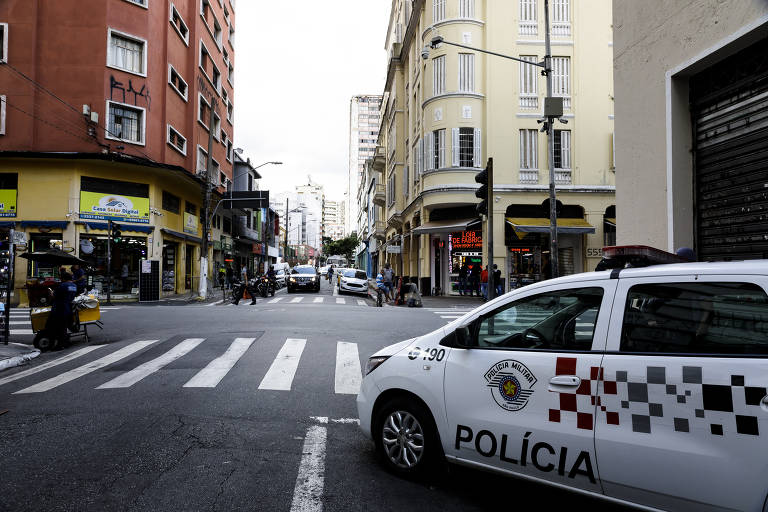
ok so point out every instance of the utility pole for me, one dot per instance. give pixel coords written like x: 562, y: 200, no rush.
x: 109, y: 262
x: 553, y: 252
x: 285, y: 244
x: 203, y: 286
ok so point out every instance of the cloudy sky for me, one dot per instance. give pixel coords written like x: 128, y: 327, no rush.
x: 297, y: 64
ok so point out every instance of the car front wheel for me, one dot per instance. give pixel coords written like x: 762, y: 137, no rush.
x: 406, y: 438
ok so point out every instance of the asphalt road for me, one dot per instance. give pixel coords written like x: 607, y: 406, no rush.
x: 274, y: 429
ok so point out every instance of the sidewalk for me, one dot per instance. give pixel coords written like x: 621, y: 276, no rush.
x: 16, y: 354
x: 451, y: 301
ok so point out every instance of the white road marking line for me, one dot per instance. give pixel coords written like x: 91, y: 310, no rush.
x: 276, y: 299
x: 22, y: 331
x: 50, y: 364
x: 28, y: 322
x: 318, y: 299
x: 109, y: 308
x: 339, y: 300
x: 348, y: 373
x: 211, y: 375
x: 215, y: 303
x: 130, y: 378
x: 451, y: 316
x: 308, y: 493
x: 335, y: 290
x: 320, y: 419
x: 296, y: 299
x: 280, y: 375
x: 87, y: 368
x: 346, y: 420
x: 361, y: 303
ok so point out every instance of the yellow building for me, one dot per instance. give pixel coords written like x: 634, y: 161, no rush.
x: 64, y: 201
x: 447, y: 110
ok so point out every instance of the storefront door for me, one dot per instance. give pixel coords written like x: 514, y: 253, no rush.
x: 170, y: 252
x: 190, y: 254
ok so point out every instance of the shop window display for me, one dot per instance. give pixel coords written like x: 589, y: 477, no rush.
x: 127, y: 254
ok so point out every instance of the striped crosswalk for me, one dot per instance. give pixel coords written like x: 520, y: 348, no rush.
x: 280, y: 376
x: 320, y: 299
x: 21, y: 325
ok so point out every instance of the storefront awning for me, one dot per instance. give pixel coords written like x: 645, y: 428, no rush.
x: 59, y: 224
x: 183, y: 236
x: 122, y: 227
x: 541, y: 225
x: 610, y: 221
x: 7, y: 224
x: 444, y: 226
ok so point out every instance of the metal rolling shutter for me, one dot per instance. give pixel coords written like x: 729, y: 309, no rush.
x: 729, y: 107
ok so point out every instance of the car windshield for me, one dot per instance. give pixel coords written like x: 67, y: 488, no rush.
x: 357, y: 274
x: 280, y: 272
x: 303, y: 270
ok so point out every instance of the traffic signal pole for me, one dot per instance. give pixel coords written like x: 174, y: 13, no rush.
x: 553, y: 250
x: 491, y: 291
x: 109, y: 263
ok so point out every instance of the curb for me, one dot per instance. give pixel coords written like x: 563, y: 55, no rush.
x: 19, y: 360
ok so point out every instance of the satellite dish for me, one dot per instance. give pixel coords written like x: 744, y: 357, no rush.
x: 86, y: 246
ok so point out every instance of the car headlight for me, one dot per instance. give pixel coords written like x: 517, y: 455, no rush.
x: 293, y: 279
x: 374, y: 362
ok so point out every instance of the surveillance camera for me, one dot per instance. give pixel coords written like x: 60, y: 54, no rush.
x: 425, y: 53
x: 435, y: 42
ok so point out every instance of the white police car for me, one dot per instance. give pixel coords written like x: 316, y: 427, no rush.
x: 644, y: 386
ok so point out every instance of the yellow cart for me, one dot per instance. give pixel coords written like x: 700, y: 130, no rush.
x: 82, y: 319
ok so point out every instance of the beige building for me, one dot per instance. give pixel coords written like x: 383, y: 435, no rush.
x: 447, y: 110
x: 691, y: 80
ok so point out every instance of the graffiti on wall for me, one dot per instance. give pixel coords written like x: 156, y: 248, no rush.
x: 114, y: 85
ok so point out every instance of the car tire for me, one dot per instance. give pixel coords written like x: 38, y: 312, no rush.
x: 406, y: 438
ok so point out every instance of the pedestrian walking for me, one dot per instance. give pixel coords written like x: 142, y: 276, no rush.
x: 330, y: 275
x: 463, y: 271
x: 484, y: 282
x: 474, y: 280
x: 389, y: 277
x: 230, y: 275
x: 497, y: 280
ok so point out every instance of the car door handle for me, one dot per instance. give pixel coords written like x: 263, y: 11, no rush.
x: 565, y: 380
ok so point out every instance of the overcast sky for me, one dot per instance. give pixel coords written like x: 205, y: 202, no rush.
x: 297, y: 64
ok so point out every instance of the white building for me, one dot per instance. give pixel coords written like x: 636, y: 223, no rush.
x: 333, y: 219
x: 363, y: 132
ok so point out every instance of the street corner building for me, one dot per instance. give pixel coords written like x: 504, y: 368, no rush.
x: 107, y: 118
x: 691, y: 131
x: 447, y: 109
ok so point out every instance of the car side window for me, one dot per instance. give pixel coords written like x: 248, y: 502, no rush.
x: 558, y: 320
x: 696, y: 318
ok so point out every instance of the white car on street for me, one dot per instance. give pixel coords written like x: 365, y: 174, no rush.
x: 353, y: 281
x: 642, y: 386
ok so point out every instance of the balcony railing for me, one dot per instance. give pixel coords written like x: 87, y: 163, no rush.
x: 379, y: 196
x: 529, y: 101
x: 561, y: 29
x: 529, y: 176
x: 379, y: 230
x: 528, y: 28
x: 562, y: 176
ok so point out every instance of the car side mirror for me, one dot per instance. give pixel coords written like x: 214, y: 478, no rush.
x: 460, y: 338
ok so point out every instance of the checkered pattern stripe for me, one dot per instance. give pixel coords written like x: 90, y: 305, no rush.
x: 576, y: 402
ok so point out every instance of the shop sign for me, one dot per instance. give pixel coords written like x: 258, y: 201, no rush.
x: 393, y: 249
x: 99, y: 206
x: 521, y: 250
x: 467, y: 241
x: 7, y: 202
x: 190, y: 223
x: 18, y: 237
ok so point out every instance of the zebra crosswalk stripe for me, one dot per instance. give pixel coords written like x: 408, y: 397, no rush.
x: 130, y: 378
x: 211, y: 375
x: 276, y: 299
x: 340, y: 300
x: 50, y: 364
x: 348, y: 373
x: 296, y: 299
x: 280, y: 374
x: 361, y: 302
x: 98, y: 364
x: 318, y: 299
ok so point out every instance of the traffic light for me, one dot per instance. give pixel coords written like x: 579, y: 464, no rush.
x: 484, y: 177
x: 116, y: 234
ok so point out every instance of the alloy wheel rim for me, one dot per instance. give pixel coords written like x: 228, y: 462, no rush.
x: 403, y: 439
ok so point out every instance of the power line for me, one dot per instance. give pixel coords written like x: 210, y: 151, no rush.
x: 83, y: 137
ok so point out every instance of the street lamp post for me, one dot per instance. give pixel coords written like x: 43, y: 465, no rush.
x: 553, y: 110
x: 207, y: 218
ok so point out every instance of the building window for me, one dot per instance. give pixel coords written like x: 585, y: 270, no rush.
x: 202, y: 161
x: 391, y: 189
x: 2, y: 114
x: 224, y: 137
x: 176, y: 140
x: 190, y: 208
x: 125, y: 123
x: 561, y: 18
x: 562, y: 158
x: 229, y: 150
x: 209, y: 69
x: 406, y: 181
x: 438, y: 10
x: 230, y: 73
x: 217, y: 33
x: 469, y: 147
x: 171, y: 203
x: 231, y: 38
x: 216, y: 126
x: 466, y: 8
x: 529, y: 93
x: 203, y: 110
x: 215, y: 170
x: 230, y: 112
x: 528, y: 24
x: 178, y: 23
x: 142, y: 3
x: 529, y: 165
x: 127, y: 53
x: 438, y: 75
x: 3, y: 43
x: 561, y: 79
x: 467, y: 72
x: 177, y: 83
x: 438, y: 149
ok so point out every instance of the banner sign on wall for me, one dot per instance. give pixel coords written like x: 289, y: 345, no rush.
x: 7, y: 203
x: 99, y: 206
x: 190, y: 223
